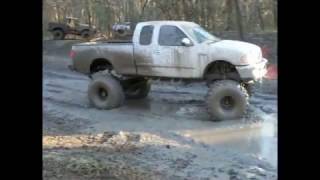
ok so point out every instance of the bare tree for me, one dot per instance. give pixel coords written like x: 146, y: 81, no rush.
x: 88, y: 12
x: 143, y: 8
x: 258, y: 6
x: 228, y: 12
x: 228, y: 15
x: 275, y: 13
x: 239, y: 19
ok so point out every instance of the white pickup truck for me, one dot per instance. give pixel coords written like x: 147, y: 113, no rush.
x: 171, y: 50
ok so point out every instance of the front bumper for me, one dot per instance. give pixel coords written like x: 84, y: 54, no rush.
x: 253, y: 71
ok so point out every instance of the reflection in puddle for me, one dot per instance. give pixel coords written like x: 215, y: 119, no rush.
x: 260, y: 140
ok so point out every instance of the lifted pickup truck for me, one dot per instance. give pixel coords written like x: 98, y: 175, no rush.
x: 171, y: 50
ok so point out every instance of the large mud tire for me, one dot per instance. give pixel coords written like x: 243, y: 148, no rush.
x: 138, y: 90
x: 85, y: 34
x: 105, y: 92
x: 226, y: 99
x: 58, y: 34
x: 251, y: 89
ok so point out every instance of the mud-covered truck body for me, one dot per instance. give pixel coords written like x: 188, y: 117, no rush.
x: 178, y: 50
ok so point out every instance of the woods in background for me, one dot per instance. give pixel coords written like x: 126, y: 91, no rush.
x: 213, y: 15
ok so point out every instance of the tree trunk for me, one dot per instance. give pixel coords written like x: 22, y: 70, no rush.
x: 212, y: 11
x: 275, y: 16
x: 142, y: 10
x: 88, y: 13
x: 57, y: 13
x: 239, y: 20
x: 202, y: 13
x: 258, y: 6
x: 89, y: 19
x: 228, y: 11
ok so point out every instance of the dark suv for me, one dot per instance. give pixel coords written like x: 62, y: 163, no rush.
x: 70, y: 25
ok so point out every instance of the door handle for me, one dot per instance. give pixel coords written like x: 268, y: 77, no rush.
x: 157, y: 51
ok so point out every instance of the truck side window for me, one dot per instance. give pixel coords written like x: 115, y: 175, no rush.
x: 170, y: 36
x: 146, y: 35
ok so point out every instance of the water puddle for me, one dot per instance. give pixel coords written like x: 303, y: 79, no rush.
x: 260, y: 140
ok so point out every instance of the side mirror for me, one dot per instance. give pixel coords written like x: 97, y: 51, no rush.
x: 186, y: 42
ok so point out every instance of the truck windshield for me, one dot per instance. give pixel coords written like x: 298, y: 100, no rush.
x: 200, y: 34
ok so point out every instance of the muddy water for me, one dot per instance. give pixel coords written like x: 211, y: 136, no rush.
x: 259, y: 140
x: 190, y: 119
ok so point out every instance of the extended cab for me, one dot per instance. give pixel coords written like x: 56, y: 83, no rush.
x: 174, y: 50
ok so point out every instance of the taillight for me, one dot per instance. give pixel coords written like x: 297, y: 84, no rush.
x: 72, y: 54
x: 272, y: 72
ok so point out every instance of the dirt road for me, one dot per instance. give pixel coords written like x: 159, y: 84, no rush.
x: 165, y: 136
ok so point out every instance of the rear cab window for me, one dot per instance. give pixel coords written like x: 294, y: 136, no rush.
x: 146, y: 35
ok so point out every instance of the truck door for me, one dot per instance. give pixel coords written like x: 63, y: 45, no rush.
x: 160, y: 52
x: 173, y: 58
x: 143, y: 48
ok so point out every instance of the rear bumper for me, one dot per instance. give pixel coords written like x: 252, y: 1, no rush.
x: 253, y: 71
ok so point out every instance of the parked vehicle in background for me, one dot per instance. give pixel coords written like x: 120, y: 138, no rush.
x: 72, y: 26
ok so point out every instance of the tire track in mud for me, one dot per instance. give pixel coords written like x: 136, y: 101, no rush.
x: 52, y: 74
x: 61, y: 88
x: 258, y: 100
x: 54, y: 91
x: 57, y: 123
x: 265, y: 96
x: 67, y: 103
x: 186, y: 109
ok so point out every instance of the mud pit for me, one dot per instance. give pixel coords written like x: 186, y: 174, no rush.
x: 165, y: 136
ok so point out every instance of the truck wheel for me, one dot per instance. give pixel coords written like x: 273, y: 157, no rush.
x: 226, y: 99
x: 138, y: 90
x: 58, y: 34
x: 105, y: 92
x: 250, y: 89
x: 85, y: 34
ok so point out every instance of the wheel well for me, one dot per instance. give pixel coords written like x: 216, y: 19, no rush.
x: 58, y: 28
x: 220, y: 69
x: 99, y: 65
x: 84, y: 30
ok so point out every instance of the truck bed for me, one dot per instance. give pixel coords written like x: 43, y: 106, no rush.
x: 120, y: 42
x: 117, y: 41
x: 118, y: 53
